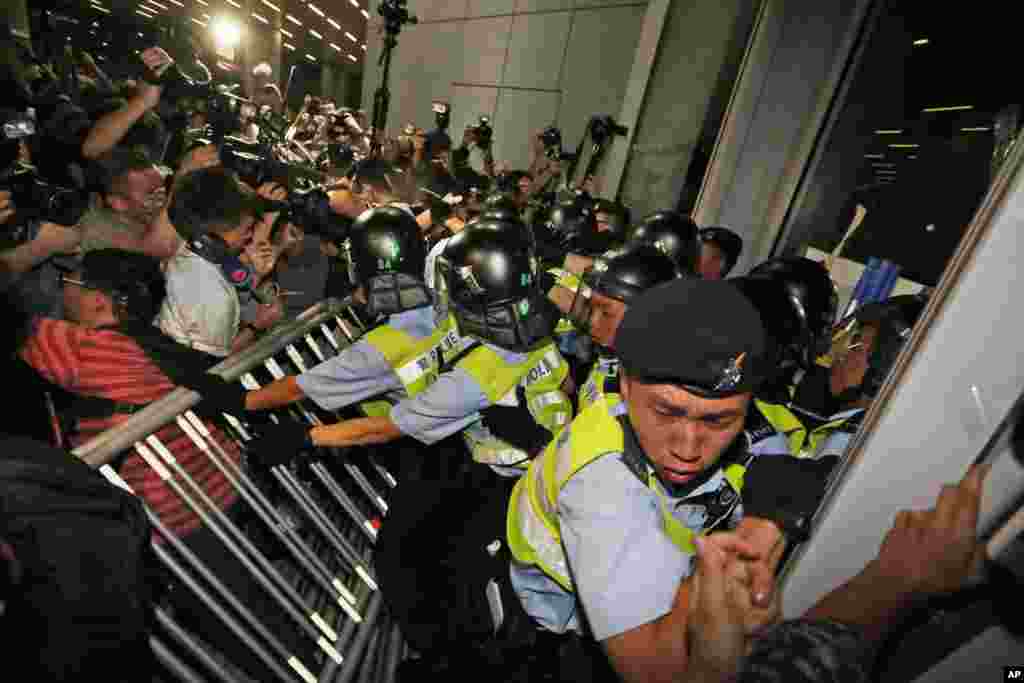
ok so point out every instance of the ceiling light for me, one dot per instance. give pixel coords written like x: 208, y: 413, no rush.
x: 911, y: 156
x: 141, y: 36
x: 874, y: 156
x: 363, y: 46
x: 883, y: 164
x: 333, y: 23
x: 976, y: 129
x: 353, y: 58
x: 316, y: 10
x: 145, y: 14
x: 289, y: 46
x: 310, y: 57
x: 257, y: 17
x: 335, y: 46
x: 177, y: 3
x: 905, y: 145
x: 355, y: 3
x: 147, y: 8
x: 921, y: 41
x: 271, y: 6
x: 206, y: 16
x: 203, y: 24
x: 351, y: 37
x: 366, y: 15
x: 203, y: 3
x: 287, y: 33
x: 885, y: 170
x: 226, y: 33
x: 315, y: 34
x: 962, y: 107
x: 157, y: 4
x: 293, y: 20
x: 890, y: 131
x: 234, y: 4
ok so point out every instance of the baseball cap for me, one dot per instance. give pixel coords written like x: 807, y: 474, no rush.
x: 702, y: 335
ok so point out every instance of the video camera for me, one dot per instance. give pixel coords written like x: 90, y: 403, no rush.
x: 442, y: 114
x: 35, y: 199
x: 604, y: 127
x: 482, y: 132
x: 551, y: 138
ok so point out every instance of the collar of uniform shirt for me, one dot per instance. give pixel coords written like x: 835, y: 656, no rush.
x: 364, y: 431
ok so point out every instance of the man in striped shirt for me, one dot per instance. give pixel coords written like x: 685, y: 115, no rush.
x: 89, y: 356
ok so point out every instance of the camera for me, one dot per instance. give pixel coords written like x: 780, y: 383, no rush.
x: 38, y: 201
x: 604, y: 127
x: 482, y: 132
x: 551, y: 138
x: 442, y: 114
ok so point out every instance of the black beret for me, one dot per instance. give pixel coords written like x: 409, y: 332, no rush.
x: 701, y: 334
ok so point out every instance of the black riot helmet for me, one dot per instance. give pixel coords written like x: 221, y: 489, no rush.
x: 622, y: 275
x: 784, y: 324
x: 618, y: 217
x: 673, y: 233
x: 500, y: 201
x: 500, y: 220
x: 569, y: 219
x: 813, y: 294
x: 492, y: 287
x: 727, y: 241
x: 386, y: 256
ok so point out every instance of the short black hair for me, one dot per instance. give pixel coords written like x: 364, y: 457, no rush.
x: 209, y: 200
x: 113, y: 166
x: 134, y: 281
x: 375, y: 173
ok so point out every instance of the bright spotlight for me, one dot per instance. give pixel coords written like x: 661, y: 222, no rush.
x: 226, y: 33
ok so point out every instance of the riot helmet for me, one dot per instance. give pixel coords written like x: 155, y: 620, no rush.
x: 492, y: 288
x: 386, y: 255
x: 727, y: 242
x: 813, y: 295
x: 621, y: 276
x: 616, y: 218
x: 783, y: 320
x: 673, y: 233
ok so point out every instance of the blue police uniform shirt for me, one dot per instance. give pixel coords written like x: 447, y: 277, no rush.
x: 447, y: 406
x: 625, y: 568
x: 360, y: 371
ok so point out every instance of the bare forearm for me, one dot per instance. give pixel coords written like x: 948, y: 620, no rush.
x: 112, y: 128
x: 360, y: 432
x: 868, y: 601
x: 280, y: 393
x: 244, y: 337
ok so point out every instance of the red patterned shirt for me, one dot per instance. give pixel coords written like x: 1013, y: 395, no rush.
x: 111, y: 365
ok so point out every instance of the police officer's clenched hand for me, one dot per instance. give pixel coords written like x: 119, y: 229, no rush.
x: 280, y: 444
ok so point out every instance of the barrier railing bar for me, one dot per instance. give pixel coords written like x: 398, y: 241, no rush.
x: 172, y: 663
x: 185, y: 639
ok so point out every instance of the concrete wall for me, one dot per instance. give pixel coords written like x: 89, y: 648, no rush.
x: 525, y: 63
x: 699, y: 56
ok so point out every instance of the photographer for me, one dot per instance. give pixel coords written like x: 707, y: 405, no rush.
x: 112, y: 128
x: 480, y: 137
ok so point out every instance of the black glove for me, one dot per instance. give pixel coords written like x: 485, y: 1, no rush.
x: 227, y: 397
x: 280, y: 444
x: 787, y: 491
x: 516, y: 426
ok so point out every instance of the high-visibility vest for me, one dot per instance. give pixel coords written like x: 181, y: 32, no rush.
x: 416, y: 362
x: 804, y: 443
x: 533, y: 526
x: 540, y: 375
x: 570, y: 281
x: 602, y: 382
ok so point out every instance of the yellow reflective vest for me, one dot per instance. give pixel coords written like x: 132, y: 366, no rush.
x: 533, y: 528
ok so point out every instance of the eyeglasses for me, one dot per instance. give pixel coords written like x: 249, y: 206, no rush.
x: 64, y: 279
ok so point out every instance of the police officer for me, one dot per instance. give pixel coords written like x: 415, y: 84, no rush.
x: 812, y: 297
x: 863, y: 353
x: 603, y: 523
x: 606, y: 292
x: 720, y: 249
x: 792, y: 345
x: 673, y: 233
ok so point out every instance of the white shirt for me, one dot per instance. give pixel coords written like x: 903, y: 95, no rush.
x: 202, y: 309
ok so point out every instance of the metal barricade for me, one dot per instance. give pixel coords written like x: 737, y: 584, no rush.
x: 325, y: 519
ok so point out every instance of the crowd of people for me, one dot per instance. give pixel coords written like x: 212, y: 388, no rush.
x: 590, y: 423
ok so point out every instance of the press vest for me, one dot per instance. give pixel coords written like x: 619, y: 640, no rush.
x: 540, y: 375
x: 416, y: 362
x: 533, y: 526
